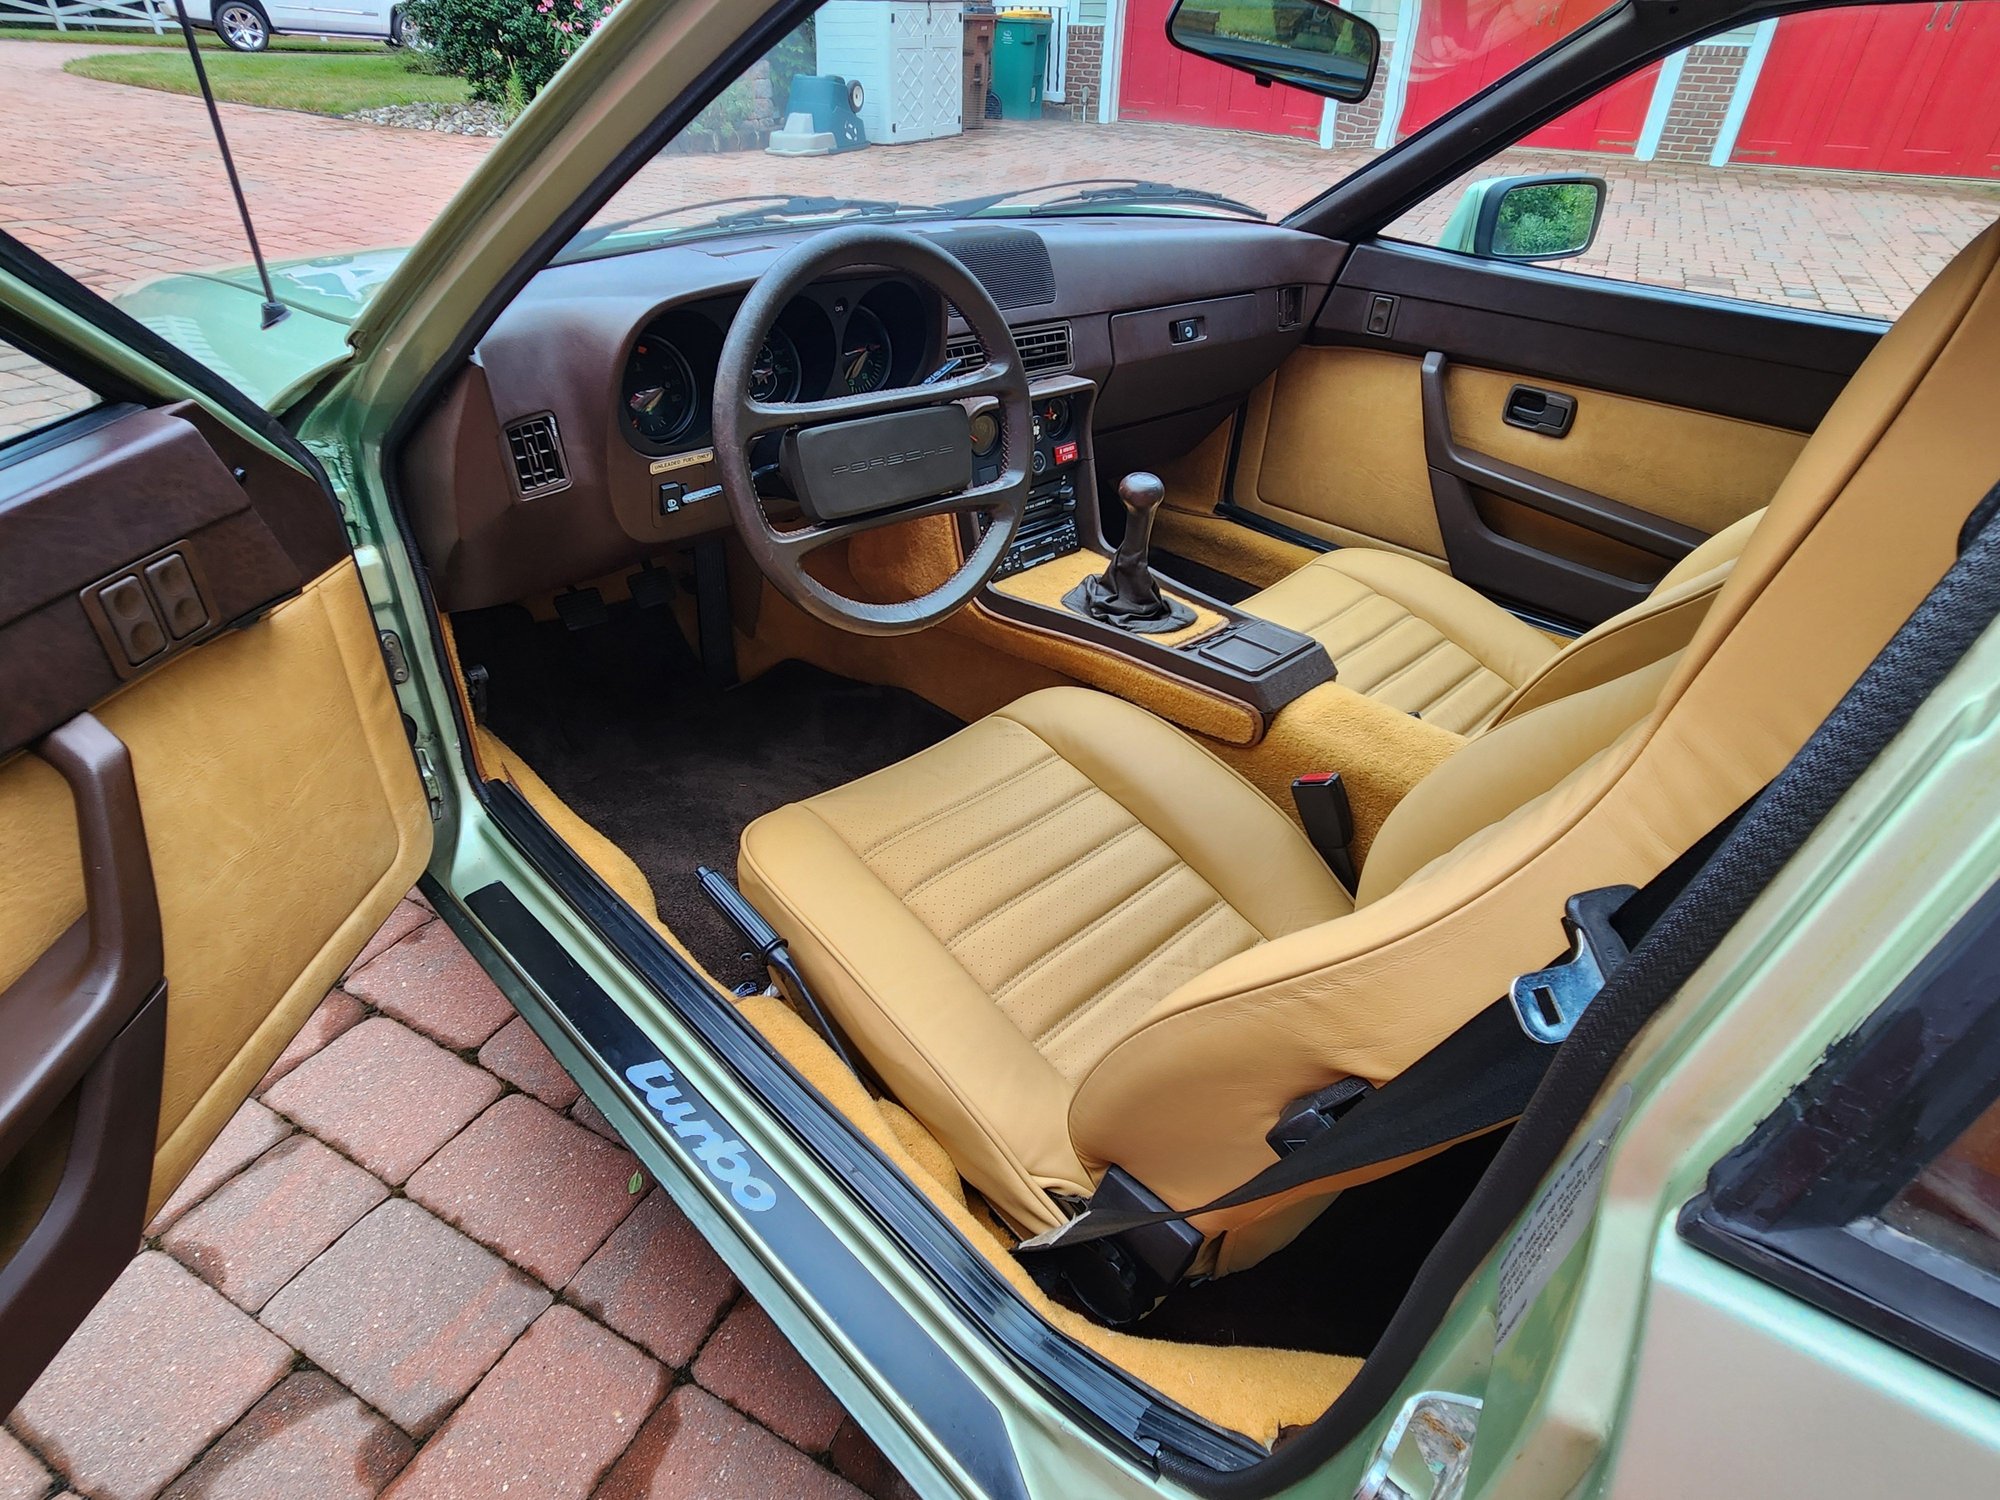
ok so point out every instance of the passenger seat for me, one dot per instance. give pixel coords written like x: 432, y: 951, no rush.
x: 1417, y: 639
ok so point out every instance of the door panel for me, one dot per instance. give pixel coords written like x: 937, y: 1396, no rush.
x: 1682, y: 465
x: 1676, y: 416
x: 1333, y: 446
x: 263, y: 815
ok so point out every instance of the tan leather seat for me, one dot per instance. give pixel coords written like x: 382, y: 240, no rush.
x: 1421, y: 641
x: 1068, y: 937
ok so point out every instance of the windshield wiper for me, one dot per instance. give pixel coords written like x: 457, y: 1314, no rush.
x: 776, y: 208
x: 1095, y: 191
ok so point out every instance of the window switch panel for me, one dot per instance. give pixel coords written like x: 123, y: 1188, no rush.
x: 150, y: 608
x: 133, y: 623
x: 174, y: 591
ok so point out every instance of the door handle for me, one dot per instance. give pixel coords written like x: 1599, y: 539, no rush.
x: 74, y: 1000
x: 1537, y: 410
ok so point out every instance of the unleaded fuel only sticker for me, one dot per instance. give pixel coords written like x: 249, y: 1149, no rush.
x: 1557, y: 1221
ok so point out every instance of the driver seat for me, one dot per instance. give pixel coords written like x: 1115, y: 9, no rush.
x: 1068, y: 937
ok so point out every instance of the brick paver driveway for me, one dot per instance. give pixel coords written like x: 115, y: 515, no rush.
x: 119, y: 184
x: 419, y: 1260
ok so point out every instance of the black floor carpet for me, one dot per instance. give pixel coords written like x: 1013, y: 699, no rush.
x: 619, y: 721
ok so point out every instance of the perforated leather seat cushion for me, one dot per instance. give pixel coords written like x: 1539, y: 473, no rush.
x: 999, y: 910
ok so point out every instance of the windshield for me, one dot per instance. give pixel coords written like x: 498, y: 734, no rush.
x: 897, y: 110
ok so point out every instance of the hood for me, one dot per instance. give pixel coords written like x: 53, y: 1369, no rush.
x: 215, y: 316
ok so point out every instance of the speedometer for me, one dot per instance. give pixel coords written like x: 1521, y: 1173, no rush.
x: 774, y: 375
x: 865, y: 354
x: 659, y: 392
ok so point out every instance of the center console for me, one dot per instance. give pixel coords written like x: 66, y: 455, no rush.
x: 1103, y: 613
x: 1049, y: 528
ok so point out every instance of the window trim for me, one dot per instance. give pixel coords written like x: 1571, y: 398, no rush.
x: 1798, y: 1204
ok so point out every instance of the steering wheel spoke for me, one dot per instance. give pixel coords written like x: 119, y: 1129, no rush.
x: 740, y: 418
x: 760, y: 417
x: 802, y: 541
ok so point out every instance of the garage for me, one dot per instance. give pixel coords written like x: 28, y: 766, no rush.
x: 1451, y: 31
x: 1905, y: 88
x: 1160, y: 82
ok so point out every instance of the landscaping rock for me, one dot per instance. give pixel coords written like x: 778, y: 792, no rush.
x: 446, y: 119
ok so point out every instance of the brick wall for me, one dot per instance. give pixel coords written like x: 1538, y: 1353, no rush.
x: 1083, y: 70
x: 1355, y: 125
x: 1701, y: 100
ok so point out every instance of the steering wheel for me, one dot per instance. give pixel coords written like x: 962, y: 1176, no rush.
x: 876, y: 458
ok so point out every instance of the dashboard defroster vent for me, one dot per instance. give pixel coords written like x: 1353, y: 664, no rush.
x: 539, y: 468
x: 1044, y: 348
x: 1012, y: 264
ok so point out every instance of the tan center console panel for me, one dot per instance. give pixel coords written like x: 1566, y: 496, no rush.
x: 1224, y: 675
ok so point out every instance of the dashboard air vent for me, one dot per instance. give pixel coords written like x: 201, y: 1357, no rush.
x: 1291, y: 306
x: 1044, y: 348
x: 538, y: 457
x: 1012, y: 264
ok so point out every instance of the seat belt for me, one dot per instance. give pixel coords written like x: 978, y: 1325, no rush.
x: 1476, y: 1080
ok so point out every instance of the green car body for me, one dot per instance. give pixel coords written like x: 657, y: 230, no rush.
x: 1636, y: 1341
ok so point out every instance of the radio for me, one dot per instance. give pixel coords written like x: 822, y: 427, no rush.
x: 1048, y: 527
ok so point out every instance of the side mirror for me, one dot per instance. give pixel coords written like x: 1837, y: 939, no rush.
x: 1527, y: 218
x: 1309, y: 44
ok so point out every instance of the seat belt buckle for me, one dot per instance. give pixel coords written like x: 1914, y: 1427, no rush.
x: 1314, y: 1114
x: 1549, y: 1001
x: 1122, y: 1277
x: 1321, y: 800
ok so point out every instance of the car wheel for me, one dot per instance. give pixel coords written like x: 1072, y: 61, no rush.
x: 242, y: 26
x: 403, y: 31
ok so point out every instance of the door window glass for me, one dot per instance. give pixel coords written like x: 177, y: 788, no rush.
x: 32, y: 395
x: 1830, y: 161
x: 1953, y: 1204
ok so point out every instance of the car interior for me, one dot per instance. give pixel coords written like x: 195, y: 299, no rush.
x: 1088, y: 697
x: 1157, y: 679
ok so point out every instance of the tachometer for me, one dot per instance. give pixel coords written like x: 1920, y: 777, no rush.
x: 775, y: 374
x: 659, y: 391
x: 865, y: 354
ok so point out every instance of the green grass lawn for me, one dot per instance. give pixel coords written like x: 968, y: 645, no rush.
x: 172, y: 38
x: 321, y: 85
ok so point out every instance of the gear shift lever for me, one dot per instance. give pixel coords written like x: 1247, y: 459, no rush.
x: 1126, y: 594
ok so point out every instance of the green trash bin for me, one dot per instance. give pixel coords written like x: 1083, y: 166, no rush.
x: 1020, y: 63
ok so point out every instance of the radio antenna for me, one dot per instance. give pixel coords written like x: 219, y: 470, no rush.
x: 274, y: 310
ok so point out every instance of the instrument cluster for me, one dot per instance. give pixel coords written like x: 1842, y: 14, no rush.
x: 841, y: 339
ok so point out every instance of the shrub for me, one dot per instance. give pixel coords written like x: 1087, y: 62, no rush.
x: 499, y: 45
x: 1544, y: 219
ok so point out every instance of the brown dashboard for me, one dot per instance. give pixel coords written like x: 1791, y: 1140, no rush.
x: 562, y: 450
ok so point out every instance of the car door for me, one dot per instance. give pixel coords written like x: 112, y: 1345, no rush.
x: 207, y: 796
x: 1556, y: 441
x: 1559, y: 431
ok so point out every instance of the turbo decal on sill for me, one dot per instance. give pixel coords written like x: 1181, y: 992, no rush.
x: 727, y: 1161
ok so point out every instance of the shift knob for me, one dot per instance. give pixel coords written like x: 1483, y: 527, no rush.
x: 1141, y: 492
x: 1126, y: 594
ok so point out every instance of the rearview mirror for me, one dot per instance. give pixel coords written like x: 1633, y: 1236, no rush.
x: 1308, y: 44
x: 1527, y: 218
